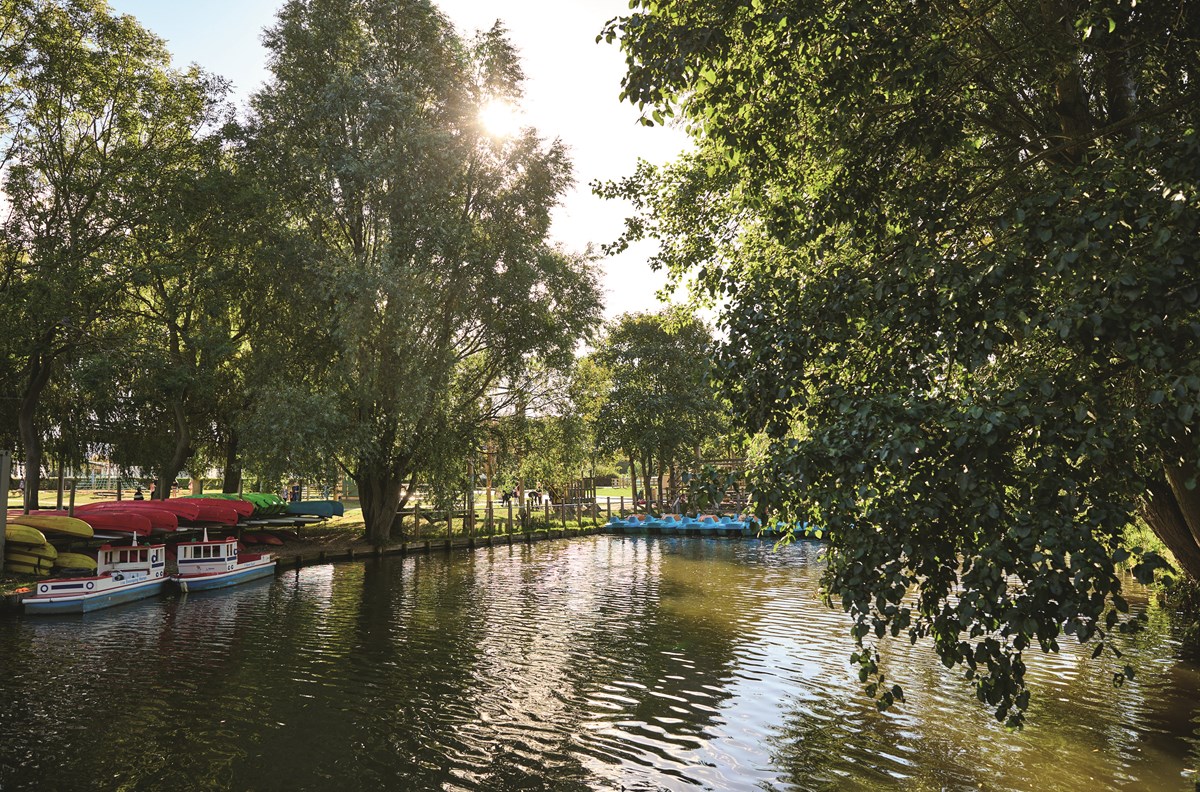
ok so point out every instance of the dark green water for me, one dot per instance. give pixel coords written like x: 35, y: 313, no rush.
x: 600, y: 663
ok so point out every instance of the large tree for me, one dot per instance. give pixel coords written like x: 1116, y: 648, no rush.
x: 97, y: 121
x: 957, y: 244
x: 434, y: 278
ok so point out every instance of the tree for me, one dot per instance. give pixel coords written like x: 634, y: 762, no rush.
x: 429, y: 239
x: 957, y: 249
x: 661, y: 406
x: 559, y: 440
x: 98, y: 120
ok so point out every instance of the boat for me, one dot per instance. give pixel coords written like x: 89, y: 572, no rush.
x: 75, y: 562
x: 243, y: 507
x: 118, y: 521
x: 25, y: 535
x: 182, y: 509
x: 317, y: 508
x: 54, y: 522
x: 216, y: 563
x: 210, y: 510
x: 123, y: 574
x: 30, y: 559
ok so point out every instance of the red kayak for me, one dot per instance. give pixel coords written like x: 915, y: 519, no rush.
x: 210, y: 510
x: 111, y: 520
x: 183, y: 509
x: 244, y: 508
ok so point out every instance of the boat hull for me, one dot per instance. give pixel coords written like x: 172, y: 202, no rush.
x: 86, y: 602
x: 216, y: 580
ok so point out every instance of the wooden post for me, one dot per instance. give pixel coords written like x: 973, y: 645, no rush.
x: 546, y: 508
x: 562, y: 514
x: 59, y: 501
x: 416, y: 519
x: 449, y: 522
x: 608, y: 503
x: 595, y: 512
x: 118, y: 489
x: 622, y: 504
x: 471, y: 496
x: 491, y: 518
x: 510, y: 515
x: 5, y: 467
x: 71, y: 507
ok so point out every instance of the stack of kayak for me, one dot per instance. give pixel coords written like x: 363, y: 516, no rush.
x: 55, y: 541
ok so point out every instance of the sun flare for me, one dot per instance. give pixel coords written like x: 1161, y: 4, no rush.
x: 500, y: 118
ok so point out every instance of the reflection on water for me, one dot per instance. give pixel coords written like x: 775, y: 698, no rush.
x: 600, y: 663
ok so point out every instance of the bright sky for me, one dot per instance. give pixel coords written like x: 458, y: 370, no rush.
x: 572, y: 90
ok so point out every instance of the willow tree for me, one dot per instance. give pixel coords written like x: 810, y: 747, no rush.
x: 958, y: 248
x: 435, y: 279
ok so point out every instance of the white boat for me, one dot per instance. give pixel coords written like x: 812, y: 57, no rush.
x: 123, y: 574
x: 216, y: 563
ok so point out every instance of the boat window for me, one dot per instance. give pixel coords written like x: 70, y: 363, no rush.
x: 124, y: 557
x: 145, y: 555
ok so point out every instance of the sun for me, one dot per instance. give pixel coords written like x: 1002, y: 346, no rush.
x: 500, y: 118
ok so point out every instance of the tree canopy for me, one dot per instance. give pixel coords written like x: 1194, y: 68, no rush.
x: 956, y: 248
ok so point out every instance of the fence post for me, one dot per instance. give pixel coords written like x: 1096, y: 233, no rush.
x: 58, y: 503
x: 118, y: 489
x: 416, y: 519
x: 509, y: 516
x: 608, y: 503
x: 546, y: 508
x: 71, y: 507
x: 449, y: 523
x: 622, y: 504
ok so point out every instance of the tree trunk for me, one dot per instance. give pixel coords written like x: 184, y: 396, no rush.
x: 379, y: 495
x: 1165, y: 516
x: 31, y: 440
x: 232, y: 476
x: 661, y: 503
x: 633, y: 480
x: 181, y: 453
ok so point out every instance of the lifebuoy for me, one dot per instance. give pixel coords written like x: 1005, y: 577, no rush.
x: 90, y: 585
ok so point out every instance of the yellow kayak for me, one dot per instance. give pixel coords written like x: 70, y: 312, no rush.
x: 27, y: 569
x: 57, y: 524
x: 23, y: 535
x: 32, y: 555
x: 45, y: 552
x: 75, y: 561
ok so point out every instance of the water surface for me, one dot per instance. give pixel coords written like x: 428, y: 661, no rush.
x: 598, y: 663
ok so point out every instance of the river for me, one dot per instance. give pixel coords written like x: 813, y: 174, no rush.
x: 600, y: 663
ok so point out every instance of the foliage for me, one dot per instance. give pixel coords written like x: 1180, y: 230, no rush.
x: 98, y: 125
x: 955, y: 246
x: 660, y: 406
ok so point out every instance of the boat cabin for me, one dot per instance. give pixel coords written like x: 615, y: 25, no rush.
x: 219, y: 555
x: 147, y: 561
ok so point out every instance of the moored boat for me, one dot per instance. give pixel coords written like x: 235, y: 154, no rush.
x: 216, y: 563
x: 124, y: 574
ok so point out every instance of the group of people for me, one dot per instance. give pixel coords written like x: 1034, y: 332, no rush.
x: 535, y: 497
x: 139, y: 495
